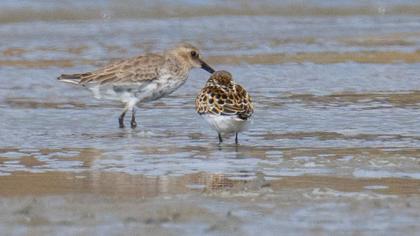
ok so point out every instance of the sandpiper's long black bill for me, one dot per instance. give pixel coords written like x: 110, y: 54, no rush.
x: 206, y: 67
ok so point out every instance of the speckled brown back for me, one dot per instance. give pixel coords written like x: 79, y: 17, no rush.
x: 222, y: 96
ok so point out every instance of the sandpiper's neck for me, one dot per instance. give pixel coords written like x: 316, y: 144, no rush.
x: 176, y: 65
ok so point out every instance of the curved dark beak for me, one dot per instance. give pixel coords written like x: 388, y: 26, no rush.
x: 206, y: 67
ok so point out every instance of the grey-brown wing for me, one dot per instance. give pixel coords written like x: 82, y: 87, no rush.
x: 134, y: 70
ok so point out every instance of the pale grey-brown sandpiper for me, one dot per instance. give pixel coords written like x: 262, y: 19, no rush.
x: 141, y: 79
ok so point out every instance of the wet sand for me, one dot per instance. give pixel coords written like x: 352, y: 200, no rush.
x: 112, y: 203
x: 334, y: 148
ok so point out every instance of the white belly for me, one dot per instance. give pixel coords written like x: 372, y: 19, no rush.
x: 226, y: 124
x: 160, y: 88
x: 138, y: 92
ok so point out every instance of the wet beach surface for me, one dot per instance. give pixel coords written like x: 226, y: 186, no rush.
x: 334, y: 146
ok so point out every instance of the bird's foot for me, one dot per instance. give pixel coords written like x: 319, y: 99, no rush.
x: 121, y: 120
x: 220, y: 139
x: 121, y: 123
x: 133, y: 124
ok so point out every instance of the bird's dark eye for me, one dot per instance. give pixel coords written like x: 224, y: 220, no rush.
x: 194, y: 54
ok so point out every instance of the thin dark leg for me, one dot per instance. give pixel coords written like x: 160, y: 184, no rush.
x: 236, y: 138
x: 121, y: 119
x: 220, y: 139
x: 133, y: 119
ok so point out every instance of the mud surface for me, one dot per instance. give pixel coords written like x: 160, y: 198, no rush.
x: 334, y: 147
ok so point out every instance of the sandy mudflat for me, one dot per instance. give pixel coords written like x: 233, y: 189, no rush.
x: 334, y: 148
x: 118, y: 204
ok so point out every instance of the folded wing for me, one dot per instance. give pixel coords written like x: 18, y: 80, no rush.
x: 134, y: 70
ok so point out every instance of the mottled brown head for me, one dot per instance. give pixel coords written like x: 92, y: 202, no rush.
x: 190, y: 56
x: 221, y: 77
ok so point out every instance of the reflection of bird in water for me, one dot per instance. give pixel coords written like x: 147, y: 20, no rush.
x: 141, y: 79
x: 225, y: 105
x: 217, y: 182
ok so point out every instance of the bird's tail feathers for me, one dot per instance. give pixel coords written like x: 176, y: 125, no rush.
x: 73, y: 78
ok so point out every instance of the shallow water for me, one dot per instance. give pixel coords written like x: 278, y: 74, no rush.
x: 335, y: 136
